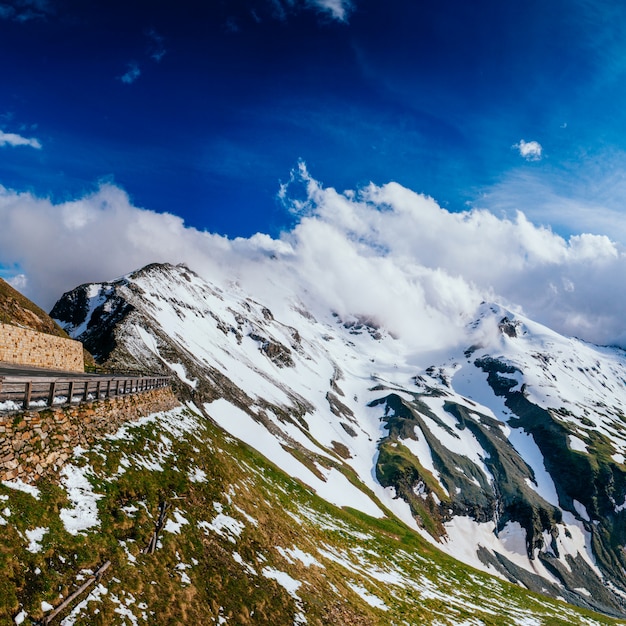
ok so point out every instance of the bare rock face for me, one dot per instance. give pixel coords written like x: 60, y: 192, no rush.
x: 92, y: 313
x: 509, y: 327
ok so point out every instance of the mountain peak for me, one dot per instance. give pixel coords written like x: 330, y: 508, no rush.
x: 499, y: 452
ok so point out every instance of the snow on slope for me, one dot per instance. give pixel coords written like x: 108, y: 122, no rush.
x: 316, y: 394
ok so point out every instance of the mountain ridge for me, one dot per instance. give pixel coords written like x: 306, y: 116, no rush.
x: 508, y: 448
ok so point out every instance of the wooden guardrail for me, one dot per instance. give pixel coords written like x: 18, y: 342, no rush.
x: 20, y: 394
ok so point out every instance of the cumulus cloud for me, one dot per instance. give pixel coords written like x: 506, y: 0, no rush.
x: 12, y: 139
x: 131, y: 75
x: 384, y: 252
x: 530, y: 150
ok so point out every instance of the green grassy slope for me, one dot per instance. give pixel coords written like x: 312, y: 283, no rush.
x: 243, y: 543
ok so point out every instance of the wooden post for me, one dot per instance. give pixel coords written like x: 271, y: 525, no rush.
x: 152, y: 544
x: 86, y: 392
x: 27, y: 393
x: 90, y: 581
x: 70, y: 392
x: 108, y: 392
x: 53, y: 387
x: 98, y: 390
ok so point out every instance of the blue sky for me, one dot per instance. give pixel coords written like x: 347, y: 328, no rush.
x: 304, y: 138
x: 202, y: 109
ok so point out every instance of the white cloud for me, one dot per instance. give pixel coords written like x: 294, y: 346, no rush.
x: 12, y: 139
x: 19, y: 282
x: 132, y: 74
x: 338, y: 9
x: 530, y: 150
x: 280, y: 9
x: 383, y: 252
x: 585, y: 196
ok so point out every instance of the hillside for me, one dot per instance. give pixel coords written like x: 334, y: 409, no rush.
x: 505, y: 451
x: 18, y: 310
x: 242, y: 543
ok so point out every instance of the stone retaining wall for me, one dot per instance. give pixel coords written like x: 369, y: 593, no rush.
x: 23, y: 346
x: 38, y: 443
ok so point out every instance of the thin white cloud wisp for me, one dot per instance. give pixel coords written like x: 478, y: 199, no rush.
x: 13, y: 139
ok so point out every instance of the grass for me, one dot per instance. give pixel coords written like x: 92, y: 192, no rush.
x: 254, y: 547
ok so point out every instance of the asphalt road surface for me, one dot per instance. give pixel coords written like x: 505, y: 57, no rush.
x: 10, y: 370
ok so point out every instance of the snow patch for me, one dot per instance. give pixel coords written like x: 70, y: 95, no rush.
x: 174, y: 526
x: 291, y: 585
x: 225, y: 526
x: 196, y: 475
x: 581, y: 510
x: 525, y: 445
x: 335, y: 489
x: 34, y: 537
x: 83, y: 515
x: 369, y: 597
x: 289, y: 554
x: 577, y: 444
x: 182, y: 374
x: 18, y: 485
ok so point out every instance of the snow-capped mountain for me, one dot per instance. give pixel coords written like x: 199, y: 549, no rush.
x: 507, y: 449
